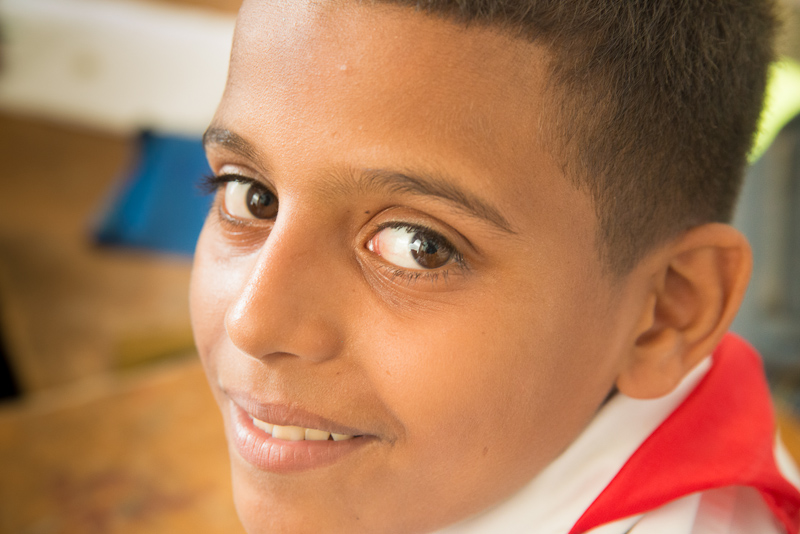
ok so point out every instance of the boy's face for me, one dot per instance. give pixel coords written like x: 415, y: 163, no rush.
x: 428, y: 280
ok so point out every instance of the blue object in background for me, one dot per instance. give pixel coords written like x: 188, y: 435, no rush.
x: 161, y: 205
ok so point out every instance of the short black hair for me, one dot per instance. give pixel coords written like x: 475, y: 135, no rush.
x: 656, y: 102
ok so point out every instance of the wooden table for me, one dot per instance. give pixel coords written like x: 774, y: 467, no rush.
x: 143, y: 452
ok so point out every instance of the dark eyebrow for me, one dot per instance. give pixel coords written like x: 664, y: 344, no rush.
x: 436, y: 187
x: 371, y: 179
x: 230, y: 141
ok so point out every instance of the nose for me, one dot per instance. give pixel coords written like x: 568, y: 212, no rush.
x: 289, y: 303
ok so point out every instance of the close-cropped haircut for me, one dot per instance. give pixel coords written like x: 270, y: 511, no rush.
x: 655, y: 103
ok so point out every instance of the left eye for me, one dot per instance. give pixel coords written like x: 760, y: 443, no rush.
x: 411, y: 248
x: 250, y: 200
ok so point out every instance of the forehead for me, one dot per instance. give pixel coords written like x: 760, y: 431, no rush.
x: 378, y: 67
x: 359, y: 84
x: 325, y: 44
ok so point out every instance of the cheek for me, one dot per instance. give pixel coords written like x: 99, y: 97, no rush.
x: 214, y: 283
x: 492, y: 397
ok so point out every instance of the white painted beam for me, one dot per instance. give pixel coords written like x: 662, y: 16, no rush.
x: 119, y: 65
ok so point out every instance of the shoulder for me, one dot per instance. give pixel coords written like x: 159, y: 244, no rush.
x: 731, y: 510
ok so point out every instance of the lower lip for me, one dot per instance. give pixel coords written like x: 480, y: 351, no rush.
x: 263, y: 451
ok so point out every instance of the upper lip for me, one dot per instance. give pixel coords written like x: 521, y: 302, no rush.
x: 288, y: 415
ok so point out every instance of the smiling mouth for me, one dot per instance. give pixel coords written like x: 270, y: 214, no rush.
x: 298, y: 433
x: 285, y: 448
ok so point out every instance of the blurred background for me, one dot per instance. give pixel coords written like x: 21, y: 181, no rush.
x: 106, y: 423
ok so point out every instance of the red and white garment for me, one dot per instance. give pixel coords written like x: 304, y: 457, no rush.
x: 702, y: 460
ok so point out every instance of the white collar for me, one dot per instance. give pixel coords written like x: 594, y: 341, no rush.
x: 556, y: 498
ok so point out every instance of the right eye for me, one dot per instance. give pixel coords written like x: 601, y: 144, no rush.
x: 249, y: 200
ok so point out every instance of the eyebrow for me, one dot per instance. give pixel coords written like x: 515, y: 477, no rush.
x: 372, y: 179
x: 399, y: 182
x: 230, y: 141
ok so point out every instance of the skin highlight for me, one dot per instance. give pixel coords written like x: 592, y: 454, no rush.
x: 469, y: 378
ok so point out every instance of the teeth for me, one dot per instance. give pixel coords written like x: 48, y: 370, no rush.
x: 297, y: 433
x: 289, y: 433
x: 266, y: 427
x: 312, y: 434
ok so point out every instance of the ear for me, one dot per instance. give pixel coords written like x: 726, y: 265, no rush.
x: 694, y: 287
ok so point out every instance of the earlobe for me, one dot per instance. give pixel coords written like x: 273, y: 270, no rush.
x: 696, y: 284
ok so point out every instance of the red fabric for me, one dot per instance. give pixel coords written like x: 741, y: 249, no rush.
x: 721, y: 435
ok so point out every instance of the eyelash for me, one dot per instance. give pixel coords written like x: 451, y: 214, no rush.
x: 211, y: 184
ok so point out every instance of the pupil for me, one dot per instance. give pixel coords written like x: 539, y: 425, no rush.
x: 428, y: 252
x: 261, y: 203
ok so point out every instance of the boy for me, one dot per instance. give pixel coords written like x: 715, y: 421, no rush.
x: 467, y: 263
